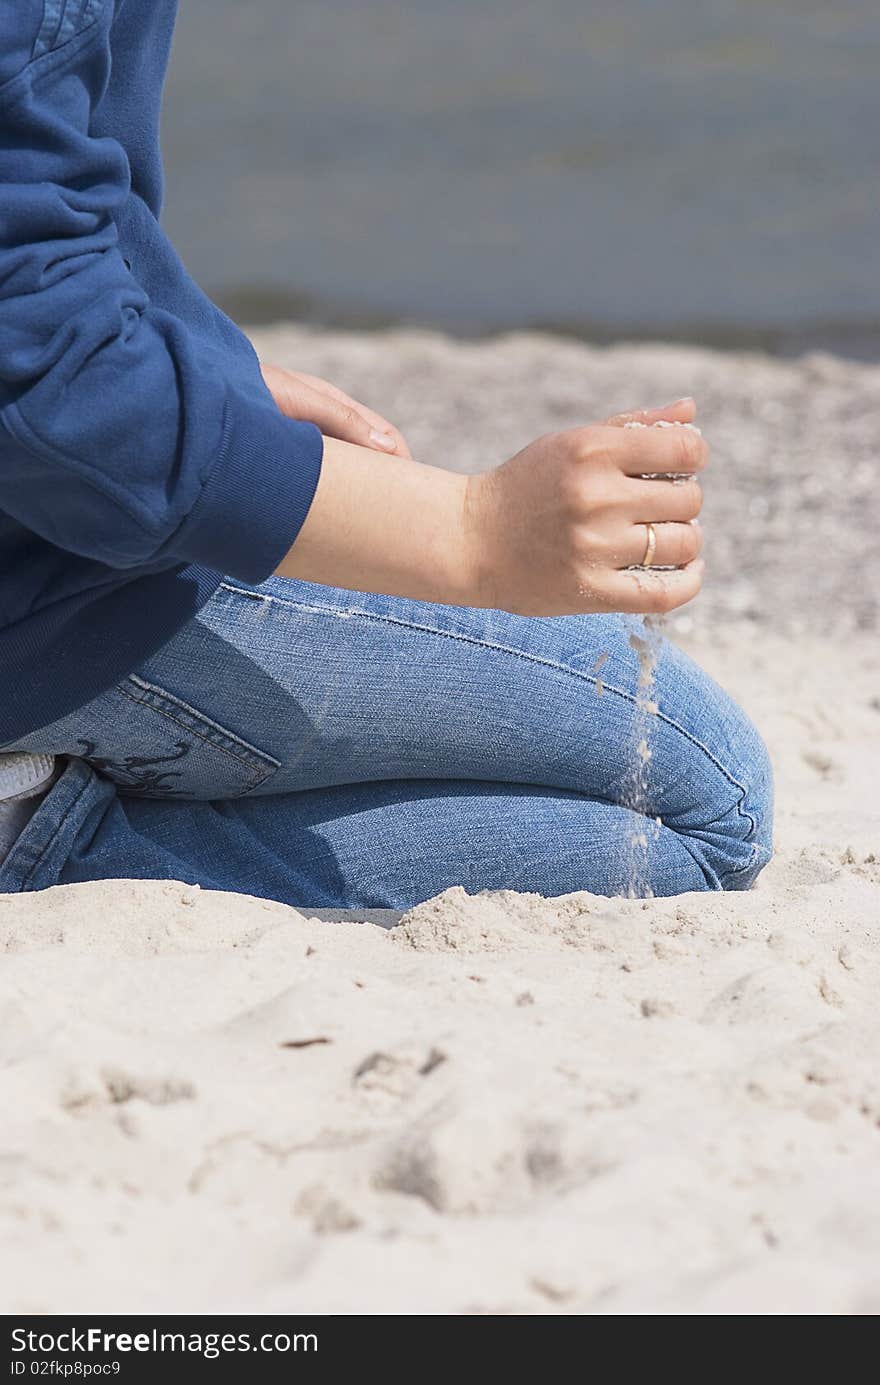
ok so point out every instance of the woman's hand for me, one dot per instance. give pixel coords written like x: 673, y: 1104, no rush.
x: 554, y: 530
x: 309, y: 398
x: 551, y: 532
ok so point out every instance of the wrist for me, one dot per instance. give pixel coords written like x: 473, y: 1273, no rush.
x: 448, y: 570
x: 384, y: 524
x: 477, y: 562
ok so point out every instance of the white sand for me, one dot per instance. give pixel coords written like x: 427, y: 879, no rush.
x: 519, y: 1106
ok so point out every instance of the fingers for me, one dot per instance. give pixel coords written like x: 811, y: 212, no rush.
x: 680, y: 411
x: 653, y: 502
x: 646, y: 451
x: 651, y: 593
x: 675, y: 545
x: 339, y: 416
x: 335, y: 420
x: 382, y: 434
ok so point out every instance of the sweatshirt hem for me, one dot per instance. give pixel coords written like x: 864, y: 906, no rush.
x: 73, y: 654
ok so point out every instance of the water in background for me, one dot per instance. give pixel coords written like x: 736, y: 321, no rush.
x: 697, y: 168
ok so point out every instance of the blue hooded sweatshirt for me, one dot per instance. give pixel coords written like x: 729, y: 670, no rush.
x: 142, y: 456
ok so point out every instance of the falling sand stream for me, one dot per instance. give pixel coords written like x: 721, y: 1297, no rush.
x: 645, y: 639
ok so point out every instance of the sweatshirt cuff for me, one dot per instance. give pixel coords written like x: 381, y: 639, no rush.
x: 256, y: 498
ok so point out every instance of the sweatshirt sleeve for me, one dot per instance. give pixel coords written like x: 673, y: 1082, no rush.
x: 124, y: 437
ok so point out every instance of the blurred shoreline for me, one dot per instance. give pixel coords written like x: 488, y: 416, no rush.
x: 686, y: 172
x: 857, y: 341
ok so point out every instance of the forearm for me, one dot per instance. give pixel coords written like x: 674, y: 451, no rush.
x: 382, y: 524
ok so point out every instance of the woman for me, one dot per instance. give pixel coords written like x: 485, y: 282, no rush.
x: 247, y: 641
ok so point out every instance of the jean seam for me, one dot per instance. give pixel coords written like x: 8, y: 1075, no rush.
x: 56, y: 832
x: 740, y: 870
x: 529, y: 658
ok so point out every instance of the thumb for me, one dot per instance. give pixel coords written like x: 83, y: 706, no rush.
x: 680, y: 411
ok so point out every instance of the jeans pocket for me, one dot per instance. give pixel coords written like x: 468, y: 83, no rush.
x: 154, y: 745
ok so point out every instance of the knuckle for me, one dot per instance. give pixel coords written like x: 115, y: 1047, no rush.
x: 592, y: 444
x: 683, y: 449
x: 586, y: 438
x: 687, y: 544
x: 584, y: 494
x: 692, y: 501
x: 689, y: 451
x: 700, y: 450
x: 678, y: 546
x: 591, y: 546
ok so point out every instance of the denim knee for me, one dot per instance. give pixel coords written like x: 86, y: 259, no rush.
x: 739, y: 842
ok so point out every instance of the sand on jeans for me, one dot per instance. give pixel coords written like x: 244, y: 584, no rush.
x: 507, y: 1104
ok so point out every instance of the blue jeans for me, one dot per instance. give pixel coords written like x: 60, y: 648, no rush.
x: 335, y: 749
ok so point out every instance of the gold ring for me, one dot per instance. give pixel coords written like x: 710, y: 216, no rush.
x: 650, y: 547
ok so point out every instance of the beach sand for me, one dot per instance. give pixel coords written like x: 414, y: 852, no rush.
x: 507, y: 1104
